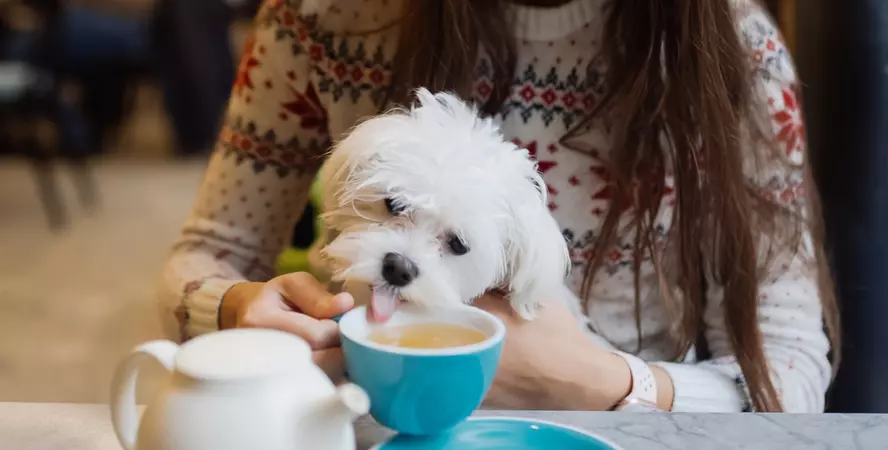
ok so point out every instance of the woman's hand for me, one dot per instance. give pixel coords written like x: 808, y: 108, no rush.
x: 550, y: 364
x: 296, y: 303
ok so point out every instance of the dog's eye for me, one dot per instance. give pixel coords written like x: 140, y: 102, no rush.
x: 394, y: 208
x: 457, y: 246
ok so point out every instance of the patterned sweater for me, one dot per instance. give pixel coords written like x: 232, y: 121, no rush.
x: 310, y: 70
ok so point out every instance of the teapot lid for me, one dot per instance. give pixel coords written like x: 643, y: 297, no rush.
x: 241, y: 353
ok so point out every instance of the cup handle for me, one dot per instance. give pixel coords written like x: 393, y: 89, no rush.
x: 124, y: 413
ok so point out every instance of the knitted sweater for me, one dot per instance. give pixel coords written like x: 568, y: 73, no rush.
x: 310, y: 70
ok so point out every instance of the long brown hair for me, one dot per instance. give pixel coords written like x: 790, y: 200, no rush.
x: 677, y: 73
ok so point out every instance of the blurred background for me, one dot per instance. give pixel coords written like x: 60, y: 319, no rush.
x: 108, y: 109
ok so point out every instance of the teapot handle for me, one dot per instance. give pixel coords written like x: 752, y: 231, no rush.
x: 124, y: 412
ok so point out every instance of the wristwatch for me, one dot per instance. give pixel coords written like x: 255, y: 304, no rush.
x: 643, y: 395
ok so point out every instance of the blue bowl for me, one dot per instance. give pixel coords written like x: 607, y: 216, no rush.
x: 502, y: 433
x: 422, y: 391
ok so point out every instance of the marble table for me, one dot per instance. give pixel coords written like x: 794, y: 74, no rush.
x: 33, y: 426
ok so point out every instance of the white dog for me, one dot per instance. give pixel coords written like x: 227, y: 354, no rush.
x: 433, y: 206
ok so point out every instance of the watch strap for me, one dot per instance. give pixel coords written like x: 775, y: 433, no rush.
x: 644, y: 385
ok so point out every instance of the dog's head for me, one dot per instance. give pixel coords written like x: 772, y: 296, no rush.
x: 432, y: 205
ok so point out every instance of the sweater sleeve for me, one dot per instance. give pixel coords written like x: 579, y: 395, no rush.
x: 259, y: 175
x: 789, y: 308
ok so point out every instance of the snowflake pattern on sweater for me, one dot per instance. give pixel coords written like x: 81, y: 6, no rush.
x: 311, y: 70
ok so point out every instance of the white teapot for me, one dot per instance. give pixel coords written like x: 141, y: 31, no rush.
x: 233, y: 390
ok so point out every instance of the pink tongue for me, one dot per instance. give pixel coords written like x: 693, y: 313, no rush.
x: 382, y: 306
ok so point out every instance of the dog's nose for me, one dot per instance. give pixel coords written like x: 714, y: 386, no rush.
x: 398, y: 270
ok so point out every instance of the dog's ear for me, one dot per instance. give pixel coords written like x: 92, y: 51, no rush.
x: 332, y: 178
x: 539, y: 258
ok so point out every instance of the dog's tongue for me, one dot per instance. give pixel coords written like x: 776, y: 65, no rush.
x: 383, y: 304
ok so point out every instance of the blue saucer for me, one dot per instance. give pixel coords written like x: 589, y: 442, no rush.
x: 502, y: 433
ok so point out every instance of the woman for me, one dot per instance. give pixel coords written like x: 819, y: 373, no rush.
x: 672, y: 144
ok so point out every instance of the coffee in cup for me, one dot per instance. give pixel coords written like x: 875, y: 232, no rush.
x: 427, y: 335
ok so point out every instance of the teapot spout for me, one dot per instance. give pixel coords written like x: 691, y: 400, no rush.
x: 349, y: 403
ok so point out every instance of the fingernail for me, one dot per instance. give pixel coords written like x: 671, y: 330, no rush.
x: 344, y: 299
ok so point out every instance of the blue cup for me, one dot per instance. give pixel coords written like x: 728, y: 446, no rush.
x: 422, y: 391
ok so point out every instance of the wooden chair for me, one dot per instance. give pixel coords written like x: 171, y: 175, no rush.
x: 29, y: 99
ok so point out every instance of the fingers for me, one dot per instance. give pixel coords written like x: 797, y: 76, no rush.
x: 331, y: 362
x: 305, y: 293
x: 297, y: 304
x: 319, y: 334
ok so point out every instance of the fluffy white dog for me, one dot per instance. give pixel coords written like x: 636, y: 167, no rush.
x: 432, y: 205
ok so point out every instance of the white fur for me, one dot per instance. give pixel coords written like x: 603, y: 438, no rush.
x: 455, y: 173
